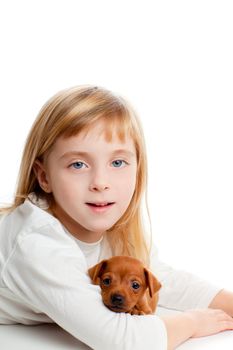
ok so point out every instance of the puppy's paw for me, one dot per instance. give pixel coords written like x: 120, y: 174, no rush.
x: 135, y: 311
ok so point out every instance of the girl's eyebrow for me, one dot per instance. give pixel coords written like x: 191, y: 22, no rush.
x: 89, y: 155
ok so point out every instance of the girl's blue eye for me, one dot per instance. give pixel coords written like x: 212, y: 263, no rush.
x: 118, y: 163
x: 77, y: 165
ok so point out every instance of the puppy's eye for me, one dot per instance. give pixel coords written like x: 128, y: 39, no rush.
x: 106, y: 281
x: 135, y: 285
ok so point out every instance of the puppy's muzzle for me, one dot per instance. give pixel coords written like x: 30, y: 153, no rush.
x: 117, y: 300
x: 117, y: 303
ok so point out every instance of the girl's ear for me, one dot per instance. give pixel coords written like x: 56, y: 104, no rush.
x: 40, y: 172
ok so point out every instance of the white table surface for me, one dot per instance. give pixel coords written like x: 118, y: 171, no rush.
x: 52, y: 337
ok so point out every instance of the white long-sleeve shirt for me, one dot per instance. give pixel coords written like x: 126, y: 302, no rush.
x: 43, y: 270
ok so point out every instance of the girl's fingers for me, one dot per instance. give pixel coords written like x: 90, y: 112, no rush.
x: 224, y: 316
x: 226, y: 325
x: 220, y: 314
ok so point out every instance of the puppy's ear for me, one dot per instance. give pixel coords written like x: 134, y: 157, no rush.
x: 153, y: 284
x: 96, y: 271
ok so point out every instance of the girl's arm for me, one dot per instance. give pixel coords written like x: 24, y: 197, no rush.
x: 223, y: 300
x: 181, y: 290
x: 46, y: 273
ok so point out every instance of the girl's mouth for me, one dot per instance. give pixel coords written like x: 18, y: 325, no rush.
x: 100, y: 207
x: 100, y: 204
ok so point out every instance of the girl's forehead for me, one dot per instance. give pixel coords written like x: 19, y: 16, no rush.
x: 94, y: 140
x: 102, y: 132
x: 102, y: 129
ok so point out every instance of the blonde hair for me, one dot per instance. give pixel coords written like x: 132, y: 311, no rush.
x: 67, y: 114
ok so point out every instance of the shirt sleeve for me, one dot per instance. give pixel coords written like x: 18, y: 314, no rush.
x: 181, y: 290
x: 51, y: 276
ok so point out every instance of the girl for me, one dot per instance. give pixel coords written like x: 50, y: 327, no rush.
x: 78, y: 200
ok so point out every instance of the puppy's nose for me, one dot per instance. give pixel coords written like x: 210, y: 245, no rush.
x: 117, y: 299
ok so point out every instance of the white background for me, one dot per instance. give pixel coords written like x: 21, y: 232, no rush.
x: 173, y: 61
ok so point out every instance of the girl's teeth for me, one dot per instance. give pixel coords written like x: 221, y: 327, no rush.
x: 99, y: 205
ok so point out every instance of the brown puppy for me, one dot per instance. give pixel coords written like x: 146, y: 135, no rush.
x: 126, y: 285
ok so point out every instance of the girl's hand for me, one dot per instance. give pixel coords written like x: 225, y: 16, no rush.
x: 195, y: 323
x: 208, y: 321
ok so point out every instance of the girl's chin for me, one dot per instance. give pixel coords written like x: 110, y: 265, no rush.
x: 100, y: 226
x: 99, y: 230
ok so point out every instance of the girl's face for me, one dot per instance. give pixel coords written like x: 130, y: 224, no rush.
x: 92, y: 181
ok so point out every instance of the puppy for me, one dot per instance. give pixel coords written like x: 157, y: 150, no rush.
x: 126, y: 285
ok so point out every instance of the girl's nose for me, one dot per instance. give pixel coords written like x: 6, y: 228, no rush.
x: 99, y: 183
x: 98, y: 187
